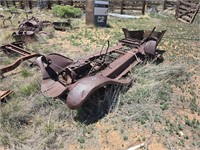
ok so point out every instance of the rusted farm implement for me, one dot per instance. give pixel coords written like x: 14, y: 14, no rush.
x: 79, y: 79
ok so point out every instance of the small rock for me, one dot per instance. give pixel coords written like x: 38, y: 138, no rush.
x: 181, y: 133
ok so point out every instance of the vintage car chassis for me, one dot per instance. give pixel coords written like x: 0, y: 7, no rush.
x: 79, y: 79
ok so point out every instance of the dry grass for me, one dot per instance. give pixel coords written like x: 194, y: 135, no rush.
x: 162, y: 105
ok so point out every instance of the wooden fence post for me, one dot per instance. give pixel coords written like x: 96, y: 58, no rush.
x: 143, y: 7
x: 22, y: 4
x: 59, y: 2
x: 164, y: 4
x: 13, y: 1
x: 122, y: 7
x: 30, y: 4
x: 177, y: 9
x: 49, y: 4
x: 7, y: 4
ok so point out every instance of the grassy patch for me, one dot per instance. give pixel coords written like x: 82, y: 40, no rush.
x: 150, y: 98
x: 25, y: 73
x: 28, y: 89
x: 194, y: 106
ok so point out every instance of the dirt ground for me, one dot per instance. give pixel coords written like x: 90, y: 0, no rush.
x: 163, y: 116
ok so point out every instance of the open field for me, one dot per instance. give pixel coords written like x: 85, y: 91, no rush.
x: 162, y: 108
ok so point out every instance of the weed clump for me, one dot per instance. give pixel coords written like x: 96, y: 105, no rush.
x: 152, y: 94
x: 25, y: 73
x: 27, y: 89
x: 66, y: 11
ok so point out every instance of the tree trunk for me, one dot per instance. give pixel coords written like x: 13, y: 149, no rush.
x: 90, y: 12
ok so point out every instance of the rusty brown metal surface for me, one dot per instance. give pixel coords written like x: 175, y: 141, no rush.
x: 62, y: 26
x: 82, y: 89
x: 25, y: 36
x: 187, y: 10
x: 16, y: 48
x: 28, y: 29
x: 139, y: 36
x: 4, y: 94
x: 32, y: 24
x: 79, y: 79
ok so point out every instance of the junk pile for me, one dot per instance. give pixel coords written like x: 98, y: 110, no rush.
x: 79, y: 79
x: 28, y: 29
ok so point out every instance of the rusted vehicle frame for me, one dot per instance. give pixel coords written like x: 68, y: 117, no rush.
x: 16, y: 48
x: 79, y: 79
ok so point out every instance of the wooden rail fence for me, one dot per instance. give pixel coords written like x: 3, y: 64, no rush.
x: 187, y: 10
x: 121, y: 5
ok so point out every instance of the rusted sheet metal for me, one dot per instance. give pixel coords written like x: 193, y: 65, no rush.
x: 145, y: 40
x: 26, y: 36
x: 16, y: 48
x: 79, y: 79
x: 62, y: 26
x: 4, y: 94
x: 139, y: 36
x: 82, y: 89
x: 28, y: 29
x: 32, y: 24
x: 187, y: 10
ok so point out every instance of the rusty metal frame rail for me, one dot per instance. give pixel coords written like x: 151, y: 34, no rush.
x: 16, y: 48
x: 4, y: 94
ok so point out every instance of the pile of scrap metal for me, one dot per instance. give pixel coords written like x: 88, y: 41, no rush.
x: 79, y: 79
x: 16, y: 48
x: 187, y: 10
x: 28, y: 29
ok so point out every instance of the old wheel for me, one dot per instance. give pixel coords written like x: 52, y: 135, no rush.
x: 7, y: 23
